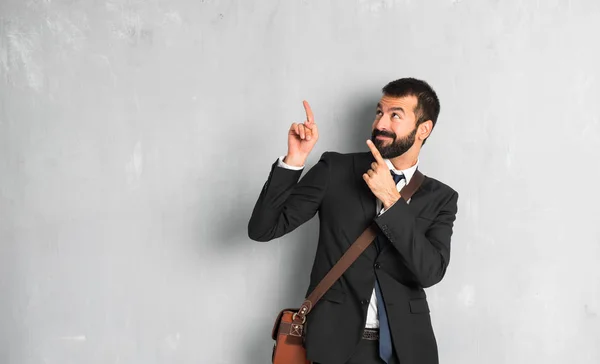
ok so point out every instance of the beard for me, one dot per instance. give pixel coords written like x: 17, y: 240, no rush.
x: 397, y: 147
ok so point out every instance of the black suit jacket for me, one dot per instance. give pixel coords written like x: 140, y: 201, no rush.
x: 415, y: 253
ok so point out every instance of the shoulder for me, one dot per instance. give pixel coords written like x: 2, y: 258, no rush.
x: 338, y: 157
x: 344, y: 166
x: 439, y: 187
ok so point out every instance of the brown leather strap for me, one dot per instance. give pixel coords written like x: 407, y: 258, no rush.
x: 364, y: 240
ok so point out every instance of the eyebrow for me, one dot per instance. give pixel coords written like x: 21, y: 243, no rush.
x: 393, y: 108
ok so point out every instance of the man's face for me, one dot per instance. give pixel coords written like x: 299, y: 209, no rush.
x: 394, y: 128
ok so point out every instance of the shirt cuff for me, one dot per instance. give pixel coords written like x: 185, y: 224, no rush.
x: 281, y: 163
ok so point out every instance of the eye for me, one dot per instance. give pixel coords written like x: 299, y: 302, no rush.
x: 378, y: 113
x: 394, y: 115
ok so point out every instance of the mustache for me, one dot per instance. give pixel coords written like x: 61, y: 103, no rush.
x: 383, y: 133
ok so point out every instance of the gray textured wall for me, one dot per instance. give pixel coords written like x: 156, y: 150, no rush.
x: 136, y: 135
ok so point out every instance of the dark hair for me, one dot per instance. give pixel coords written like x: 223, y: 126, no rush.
x: 428, y: 104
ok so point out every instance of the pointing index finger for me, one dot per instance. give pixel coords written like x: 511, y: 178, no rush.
x: 375, y: 152
x: 309, y: 114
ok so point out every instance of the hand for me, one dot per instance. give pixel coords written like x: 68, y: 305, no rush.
x: 302, y: 138
x: 379, y: 179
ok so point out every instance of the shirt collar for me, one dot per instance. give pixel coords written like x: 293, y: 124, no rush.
x: 408, y: 173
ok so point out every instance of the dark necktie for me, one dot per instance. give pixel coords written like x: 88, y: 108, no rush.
x: 385, y: 337
x: 397, y: 177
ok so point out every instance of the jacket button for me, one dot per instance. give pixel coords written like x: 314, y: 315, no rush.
x: 377, y: 266
x: 364, y: 302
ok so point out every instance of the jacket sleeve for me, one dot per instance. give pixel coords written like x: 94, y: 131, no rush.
x: 284, y: 203
x: 426, y: 254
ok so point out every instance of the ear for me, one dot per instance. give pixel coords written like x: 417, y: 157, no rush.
x: 424, y: 130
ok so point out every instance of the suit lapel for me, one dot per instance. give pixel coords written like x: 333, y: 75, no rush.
x: 362, y: 163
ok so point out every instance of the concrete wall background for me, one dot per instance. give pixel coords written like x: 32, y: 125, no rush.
x: 136, y: 135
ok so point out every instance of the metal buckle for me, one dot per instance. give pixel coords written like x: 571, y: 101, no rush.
x: 296, y: 314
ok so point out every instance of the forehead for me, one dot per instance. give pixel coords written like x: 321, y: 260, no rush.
x: 407, y: 103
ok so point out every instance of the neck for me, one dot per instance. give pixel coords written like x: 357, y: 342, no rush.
x: 406, y: 160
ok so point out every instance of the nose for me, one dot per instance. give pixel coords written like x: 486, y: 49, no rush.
x: 383, y: 123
